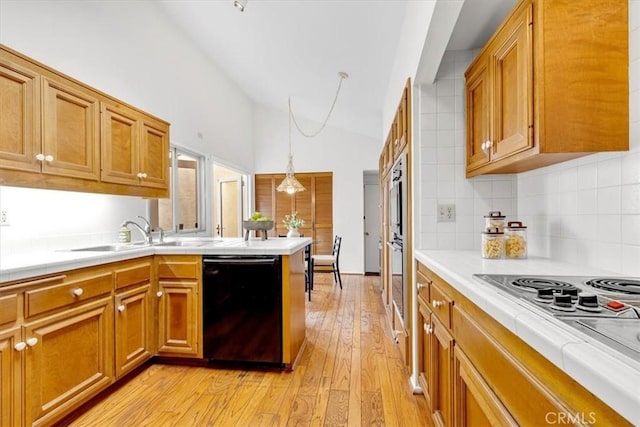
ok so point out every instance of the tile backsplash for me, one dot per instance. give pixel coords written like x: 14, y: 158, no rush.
x: 584, y: 211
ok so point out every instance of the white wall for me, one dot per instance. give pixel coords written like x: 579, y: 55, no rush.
x: 344, y: 153
x: 440, y: 163
x: 131, y: 51
x: 584, y: 211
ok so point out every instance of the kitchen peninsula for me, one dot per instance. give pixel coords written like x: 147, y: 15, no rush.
x: 112, y: 308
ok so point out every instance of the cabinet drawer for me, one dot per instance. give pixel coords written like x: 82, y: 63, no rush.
x: 132, y: 275
x: 179, y: 268
x: 41, y: 300
x: 440, y: 304
x: 423, y: 283
x: 8, y: 309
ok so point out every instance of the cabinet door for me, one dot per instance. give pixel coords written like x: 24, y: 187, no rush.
x: 475, y: 402
x: 10, y: 378
x: 154, y: 149
x: 441, y: 369
x: 424, y: 351
x: 71, y: 139
x: 513, y: 87
x: 19, y: 117
x: 120, y: 135
x: 69, y: 360
x: 178, y: 318
x: 478, y: 92
x: 133, y: 328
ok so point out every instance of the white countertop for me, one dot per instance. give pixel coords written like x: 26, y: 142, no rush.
x: 16, y: 267
x: 608, y: 374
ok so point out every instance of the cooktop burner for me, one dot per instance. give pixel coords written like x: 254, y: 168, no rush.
x: 532, y: 284
x: 624, y: 286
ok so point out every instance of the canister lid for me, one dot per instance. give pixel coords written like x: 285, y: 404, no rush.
x: 492, y: 231
x: 515, y: 225
x: 495, y: 215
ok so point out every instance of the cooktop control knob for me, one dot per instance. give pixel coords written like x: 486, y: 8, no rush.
x: 588, y: 300
x: 545, y: 295
x: 562, y: 302
x: 573, y: 292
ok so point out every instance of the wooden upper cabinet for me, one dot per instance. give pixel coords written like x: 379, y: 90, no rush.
x: 134, y: 149
x: 19, y: 116
x: 58, y: 133
x: 549, y: 86
x: 71, y: 138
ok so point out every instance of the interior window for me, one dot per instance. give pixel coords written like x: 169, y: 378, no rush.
x: 182, y: 211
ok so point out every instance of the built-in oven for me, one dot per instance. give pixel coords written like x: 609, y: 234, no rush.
x: 397, y: 237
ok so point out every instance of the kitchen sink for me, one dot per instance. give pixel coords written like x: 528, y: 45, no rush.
x: 111, y: 248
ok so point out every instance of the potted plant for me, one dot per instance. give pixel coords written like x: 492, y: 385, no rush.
x: 293, y: 223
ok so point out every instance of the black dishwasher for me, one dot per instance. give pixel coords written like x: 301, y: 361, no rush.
x: 242, y: 310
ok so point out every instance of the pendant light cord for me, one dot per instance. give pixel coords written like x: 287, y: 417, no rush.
x: 342, y: 76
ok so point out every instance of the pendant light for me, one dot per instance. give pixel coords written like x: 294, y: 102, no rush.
x: 290, y: 184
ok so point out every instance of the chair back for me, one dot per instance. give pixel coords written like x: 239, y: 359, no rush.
x: 336, y: 246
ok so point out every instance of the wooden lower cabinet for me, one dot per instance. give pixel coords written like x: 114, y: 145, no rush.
x: 441, y: 370
x: 475, y: 404
x: 475, y: 372
x: 10, y: 378
x: 179, y: 298
x: 133, y: 340
x: 69, y: 358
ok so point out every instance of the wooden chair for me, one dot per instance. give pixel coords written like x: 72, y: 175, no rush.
x: 330, y: 260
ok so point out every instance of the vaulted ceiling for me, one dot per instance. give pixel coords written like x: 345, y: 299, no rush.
x: 277, y: 49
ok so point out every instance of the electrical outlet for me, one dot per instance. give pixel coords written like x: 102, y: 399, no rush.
x: 446, y: 213
x: 4, y: 218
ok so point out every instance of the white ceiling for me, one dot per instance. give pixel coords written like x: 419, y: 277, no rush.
x: 281, y: 48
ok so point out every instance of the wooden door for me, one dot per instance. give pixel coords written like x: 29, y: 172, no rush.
x: 153, y: 158
x: 475, y: 402
x: 178, y: 310
x: 19, y: 116
x: 71, y: 138
x: 513, y: 87
x: 120, y: 144
x: 441, y: 369
x: 70, y: 361
x: 303, y: 204
x: 284, y: 205
x: 478, y: 111
x: 133, y: 328
x: 10, y: 378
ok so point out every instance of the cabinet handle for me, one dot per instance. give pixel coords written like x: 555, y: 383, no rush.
x: 48, y: 158
x: 427, y: 329
x: 122, y: 308
x: 78, y: 291
x: 436, y: 303
x: 20, y: 346
x: 159, y: 294
x: 139, y: 175
x: 32, y: 341
x: 421, y: 286
x: 40, y: 156
x: 144, y: 175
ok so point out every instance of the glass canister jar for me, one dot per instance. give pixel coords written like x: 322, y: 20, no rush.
x: 494, y: 219
x: 492, y: 243
x: 515, y: 240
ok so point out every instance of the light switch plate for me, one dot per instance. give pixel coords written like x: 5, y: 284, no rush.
x: 446, y: 213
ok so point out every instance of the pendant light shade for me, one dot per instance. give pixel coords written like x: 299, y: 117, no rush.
x: 290, y: 184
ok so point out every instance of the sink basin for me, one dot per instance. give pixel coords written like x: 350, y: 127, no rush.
x: 111, y: 248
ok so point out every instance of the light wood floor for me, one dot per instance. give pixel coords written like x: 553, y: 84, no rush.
x: 350, y: 374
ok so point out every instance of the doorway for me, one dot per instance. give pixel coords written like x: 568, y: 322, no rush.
x: 372, y: 238
x: 229, y: 201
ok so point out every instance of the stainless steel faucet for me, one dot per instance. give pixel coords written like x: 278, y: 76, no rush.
x: 146, y: 231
